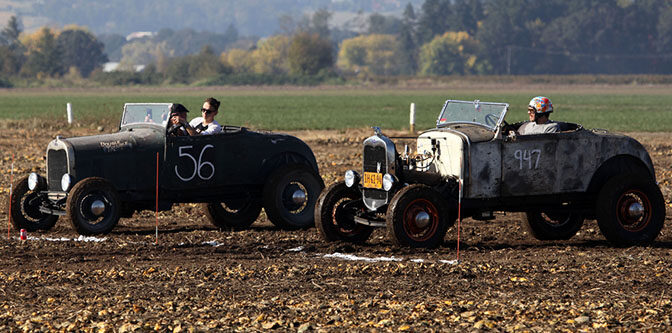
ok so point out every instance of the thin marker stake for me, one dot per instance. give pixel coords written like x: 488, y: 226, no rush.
x: 11, y: 188
x: 459, y: 217
x: 156, y: 242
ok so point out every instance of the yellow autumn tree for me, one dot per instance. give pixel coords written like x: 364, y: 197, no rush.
x: 376, y: 54
x: 454, y: 52
x: 240, y: 60
x: 271, y: 55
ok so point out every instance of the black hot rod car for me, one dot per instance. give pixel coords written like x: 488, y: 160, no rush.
x: 95, y: 180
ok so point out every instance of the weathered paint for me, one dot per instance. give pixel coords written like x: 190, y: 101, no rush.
x: 528, y: 165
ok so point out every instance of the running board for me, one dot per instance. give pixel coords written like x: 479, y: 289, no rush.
x: 372, y: 223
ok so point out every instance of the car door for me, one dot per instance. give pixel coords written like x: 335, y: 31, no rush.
x: 546, y: 164
x: 207, y: 161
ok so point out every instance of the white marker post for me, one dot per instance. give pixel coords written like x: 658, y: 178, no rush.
x: 69, y: 112
x: 412, y: 118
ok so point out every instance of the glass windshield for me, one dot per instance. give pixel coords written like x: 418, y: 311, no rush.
x: 157, y: 113
x: 486, y: 114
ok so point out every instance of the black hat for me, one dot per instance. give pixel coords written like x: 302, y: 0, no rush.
x: 178, y: 108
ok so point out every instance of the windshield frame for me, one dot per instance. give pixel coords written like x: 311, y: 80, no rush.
x: 125, y: 115
x: 500, y: 118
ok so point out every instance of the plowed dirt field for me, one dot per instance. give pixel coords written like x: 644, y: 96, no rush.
x: 199, y: 278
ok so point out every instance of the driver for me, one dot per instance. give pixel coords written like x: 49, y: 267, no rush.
x: 178, y: 121
x: 539, y: 110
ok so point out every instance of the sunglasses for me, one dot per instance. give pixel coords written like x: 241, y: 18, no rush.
x: 207, y: 111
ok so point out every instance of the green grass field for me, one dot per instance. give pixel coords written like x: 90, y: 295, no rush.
x: 618, y: 109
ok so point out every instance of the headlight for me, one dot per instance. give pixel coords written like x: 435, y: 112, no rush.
x: 351, y: 178
x: 33, y: 180
x: 66, y: 181
x: 388, y: 182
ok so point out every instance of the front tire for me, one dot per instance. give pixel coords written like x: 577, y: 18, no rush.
x: 231, y: 215
x: 25, y: 208
x: 418, y: 216
x: 290, y: 195
x: 630, y: 210
x: 553, y: 226
x: 334, y: 215
x: 93, y: 206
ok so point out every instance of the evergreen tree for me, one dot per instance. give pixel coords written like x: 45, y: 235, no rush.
x: 408, y: 41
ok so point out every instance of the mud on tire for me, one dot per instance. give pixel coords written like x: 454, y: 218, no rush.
x: 553, y: 226
x: 334, y: 214
x: 282, y: 197
x: 230, y: 215
x: 630, y: 210
x: 86, y: 194
x: 25, y: 208
x: 407, y: 224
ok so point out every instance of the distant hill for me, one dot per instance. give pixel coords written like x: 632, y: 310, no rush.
x: 250, y: 17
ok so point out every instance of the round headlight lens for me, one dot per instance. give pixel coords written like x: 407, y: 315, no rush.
x: 388, y: 182
x: 33, y: 178
x: 350, y: 178
x: 66, y: 181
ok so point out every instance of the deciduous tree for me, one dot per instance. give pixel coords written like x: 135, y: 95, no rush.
x: 309, y: 54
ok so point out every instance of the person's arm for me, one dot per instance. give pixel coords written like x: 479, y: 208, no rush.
x: 188, y: 127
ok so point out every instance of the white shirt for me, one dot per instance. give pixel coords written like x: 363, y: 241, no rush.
x: 531, y: 127
x: 213, y: 127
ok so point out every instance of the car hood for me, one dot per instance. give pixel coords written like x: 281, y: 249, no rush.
x: 116, y: 142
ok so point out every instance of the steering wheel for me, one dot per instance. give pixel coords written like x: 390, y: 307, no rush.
x: 174, y: 128
x: 491, y: 119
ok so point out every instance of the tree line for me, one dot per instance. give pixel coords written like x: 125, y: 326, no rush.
x: 441, y: 37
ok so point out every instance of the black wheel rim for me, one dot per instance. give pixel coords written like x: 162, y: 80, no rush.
x: 85, y: 208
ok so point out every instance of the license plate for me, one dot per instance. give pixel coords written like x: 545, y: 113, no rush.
x: 373, y: 180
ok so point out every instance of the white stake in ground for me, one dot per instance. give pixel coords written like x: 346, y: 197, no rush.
x: 412, y: 118
x: 68, y: 110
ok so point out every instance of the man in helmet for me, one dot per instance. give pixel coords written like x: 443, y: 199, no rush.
x: 539, y: 110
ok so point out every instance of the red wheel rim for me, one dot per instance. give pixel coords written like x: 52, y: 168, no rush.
x: 413, y: 230
x: 629, y: 221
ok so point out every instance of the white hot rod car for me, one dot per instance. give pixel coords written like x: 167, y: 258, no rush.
x: 473, y: 160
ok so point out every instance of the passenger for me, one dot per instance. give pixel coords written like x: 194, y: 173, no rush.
x: 539, y: 110
x: 178, y: 120
x: 207, y: 124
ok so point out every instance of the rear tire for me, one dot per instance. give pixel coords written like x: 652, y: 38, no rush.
x: 334, y: 214
x: 290, y: 195
x: 407, y: 224
x: 232, y: 215
x: 556, y: 226
x: 630, y: 210
x: 25, y: 208
x: 86, y: 194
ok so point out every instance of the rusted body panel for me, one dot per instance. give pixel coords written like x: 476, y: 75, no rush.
x: 554, y: 163
x: 561, y: 162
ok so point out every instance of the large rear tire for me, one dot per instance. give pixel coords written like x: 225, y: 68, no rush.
x: 232, y: 215
x: 25, y: 208
x: 418, y: 216
x: 630, y: 210
x: 553, y: 226
x: 334, y: 215
x: 93, y: 206
x: 290, y: 195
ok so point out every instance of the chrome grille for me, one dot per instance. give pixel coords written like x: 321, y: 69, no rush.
x: 57, y: 166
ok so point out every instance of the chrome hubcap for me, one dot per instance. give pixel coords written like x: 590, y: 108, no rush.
x: 422, y: 219
x: 636, y: 210
x: 299, y: 197
x: 97, y: 207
